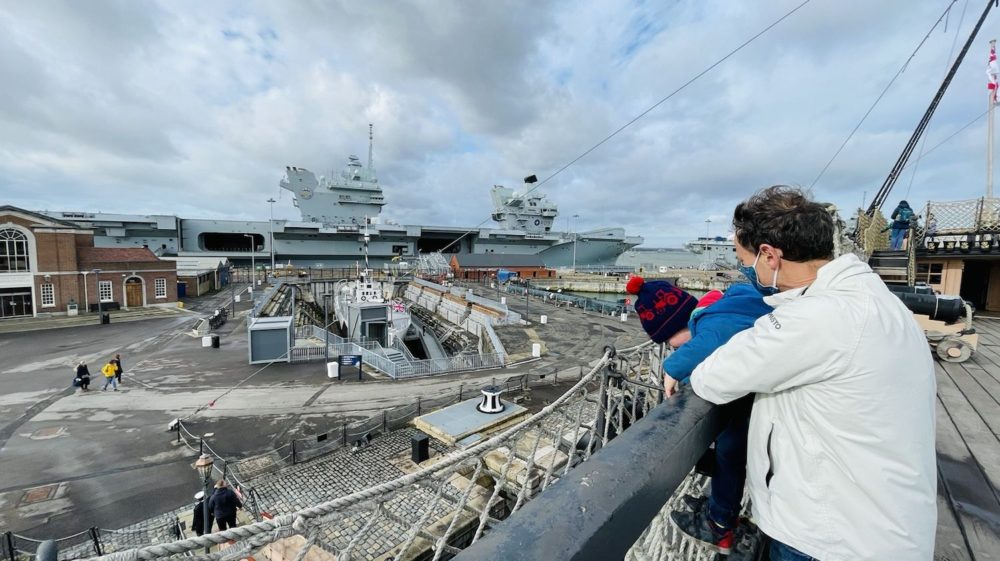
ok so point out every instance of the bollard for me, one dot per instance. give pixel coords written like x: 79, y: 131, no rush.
x: 47, y: 551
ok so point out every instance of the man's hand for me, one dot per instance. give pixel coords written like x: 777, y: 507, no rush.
x: 669, y: 386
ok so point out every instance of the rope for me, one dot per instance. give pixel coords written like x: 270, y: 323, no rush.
x: 884, y: 91
x: 682, y: 87
x: 212, y: 403
x: 951, y: 51
x: 345, y: 554
x: 364, y: 495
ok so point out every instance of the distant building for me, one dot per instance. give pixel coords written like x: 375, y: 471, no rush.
x: 48, y: 265
x: 477, y: 266
x: 198, y: 275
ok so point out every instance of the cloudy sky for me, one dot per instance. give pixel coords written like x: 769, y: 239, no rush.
x: 195, y: 108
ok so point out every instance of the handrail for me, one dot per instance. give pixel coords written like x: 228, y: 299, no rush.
x: 599, y: 510
x: 374, y: 355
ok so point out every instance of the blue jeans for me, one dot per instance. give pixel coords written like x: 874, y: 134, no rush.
x: 896, y: 240
x: 782, y: 552
x: 729, y: 473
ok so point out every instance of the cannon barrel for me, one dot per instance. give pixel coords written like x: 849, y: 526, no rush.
x: 948, y: 309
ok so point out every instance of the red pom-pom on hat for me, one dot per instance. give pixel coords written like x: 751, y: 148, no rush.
x: 634, y: 284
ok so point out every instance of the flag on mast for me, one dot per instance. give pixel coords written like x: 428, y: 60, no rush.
x: 992, y: 71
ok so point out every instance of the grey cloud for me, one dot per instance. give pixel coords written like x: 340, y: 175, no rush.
x: 214, y: 100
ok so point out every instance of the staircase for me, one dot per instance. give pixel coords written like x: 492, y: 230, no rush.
x: 890, y: 265
x: 397, y: 358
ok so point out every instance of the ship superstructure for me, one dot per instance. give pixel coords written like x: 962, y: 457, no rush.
x: 334, y: 211
x: 530, y: 212
x: 716, y: 251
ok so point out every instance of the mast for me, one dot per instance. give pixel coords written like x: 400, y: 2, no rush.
x: 890, y: 181
x: 367, y: 239
x: 991, y: 72
x: 371, y: 143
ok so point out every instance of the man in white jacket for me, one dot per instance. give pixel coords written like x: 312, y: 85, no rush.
x: 841, y: 461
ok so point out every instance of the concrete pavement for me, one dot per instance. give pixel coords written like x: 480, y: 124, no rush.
x: 106, y: 459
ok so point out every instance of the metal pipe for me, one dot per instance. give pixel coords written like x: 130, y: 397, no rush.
x: 207, y: 522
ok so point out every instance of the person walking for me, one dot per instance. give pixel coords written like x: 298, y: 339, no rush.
x: 83, y: 376
x: 223, y: 505
x: 841, y: 458
x: 109, y: 376
x: 118, y: 368
x: 198, y: 522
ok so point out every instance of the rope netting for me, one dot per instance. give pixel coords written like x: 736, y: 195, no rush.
x: 961, y: 217
x: 442, y: 506
x: 870, y: 234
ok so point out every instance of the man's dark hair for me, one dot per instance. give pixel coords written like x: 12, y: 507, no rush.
x: 784, y: 217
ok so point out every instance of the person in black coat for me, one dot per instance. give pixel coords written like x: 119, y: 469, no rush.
x: 83, y: 374
x: 198, y: 515
x: 223, y: 505
x: 118, y: 368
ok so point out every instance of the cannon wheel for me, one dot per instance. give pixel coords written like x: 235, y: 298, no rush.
x: 954, y: 350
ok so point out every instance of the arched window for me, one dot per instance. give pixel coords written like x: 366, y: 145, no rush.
x: 13, y: 251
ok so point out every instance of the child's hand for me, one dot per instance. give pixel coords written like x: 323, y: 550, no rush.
x: 679, y: 338
x: 669, y: 386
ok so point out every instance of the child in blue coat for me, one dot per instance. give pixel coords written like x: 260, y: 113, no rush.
x: 711, y: 322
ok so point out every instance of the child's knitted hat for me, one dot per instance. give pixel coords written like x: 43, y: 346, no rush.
x: 663, y: 308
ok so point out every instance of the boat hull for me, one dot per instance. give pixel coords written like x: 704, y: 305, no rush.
x: 313, y: 245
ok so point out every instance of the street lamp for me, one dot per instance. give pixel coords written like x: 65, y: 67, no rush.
x: 253, y: 265
x: 272, y: 201
x: 326, y: 326
x: 527, y: 302
x: 575, y: 216
x: 97, y: 282
x: 204, y: 465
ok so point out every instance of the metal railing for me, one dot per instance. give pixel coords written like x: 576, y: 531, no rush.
x: 260, y: 301
x: 374, y: 355
x: 599, y: 510
x: 590, y: 470
x: 602, y: 307
x: 455, y: 363
x: 221, y: 467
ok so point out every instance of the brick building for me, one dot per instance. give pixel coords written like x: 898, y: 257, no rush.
x: 48, y: 265
x: 477, y: 266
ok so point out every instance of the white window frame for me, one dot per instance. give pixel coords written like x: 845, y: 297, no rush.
x: 105, y: 287
x: 48, y: 292
x: 160, y: 286
x: 16, y: 250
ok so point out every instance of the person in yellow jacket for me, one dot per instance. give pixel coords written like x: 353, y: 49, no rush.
x: 109, y: 372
